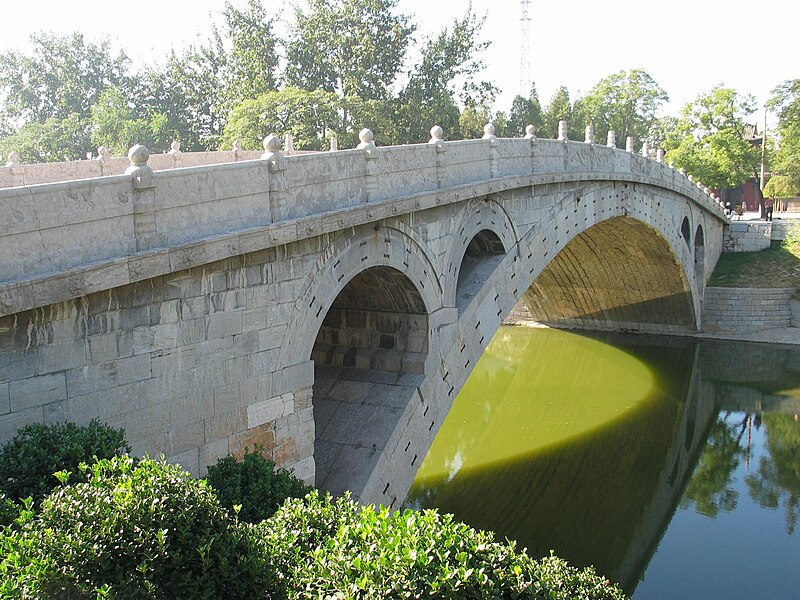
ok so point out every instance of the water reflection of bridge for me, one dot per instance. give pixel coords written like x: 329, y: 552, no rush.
x: 609, y: 498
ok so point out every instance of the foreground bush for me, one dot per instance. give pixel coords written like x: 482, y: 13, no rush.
x: 254, y: 485
x: 28, y: 461
x: 145, y: 530
x: 322, y: 547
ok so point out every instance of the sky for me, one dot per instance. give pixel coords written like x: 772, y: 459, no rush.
x: 686, y: 46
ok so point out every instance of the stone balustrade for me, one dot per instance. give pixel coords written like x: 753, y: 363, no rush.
x: 130, y: 224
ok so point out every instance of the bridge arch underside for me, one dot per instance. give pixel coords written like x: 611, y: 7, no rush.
x: 369, y: 361
x: 619, y: 275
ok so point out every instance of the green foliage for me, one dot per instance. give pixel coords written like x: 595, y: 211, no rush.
x: 559, y: 109
x: 352, y: 47
x: 308, y: 116
x: 63, y: 76
x: 709, y: 140
x: 524, y: 112
x: 52, y: 140
x: 8, y: 510
x: 252, y: 62
x: 115, y: 125
x: 786, y: 163
x: 29, y: 460
x: 253, y: 485
x: 155, y: 532
x: 323, y: 547
x: 625, y: 102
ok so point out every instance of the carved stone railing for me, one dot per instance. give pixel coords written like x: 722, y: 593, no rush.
x: 68, y: 239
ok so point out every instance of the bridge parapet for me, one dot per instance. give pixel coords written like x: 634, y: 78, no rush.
x: 63, y: 240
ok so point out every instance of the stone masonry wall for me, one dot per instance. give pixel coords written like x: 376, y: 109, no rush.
x: 746, y: 310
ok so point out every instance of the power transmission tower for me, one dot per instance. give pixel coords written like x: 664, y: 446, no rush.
x: 524, y: 52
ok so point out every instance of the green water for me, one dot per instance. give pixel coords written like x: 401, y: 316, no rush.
x: 585, y: 446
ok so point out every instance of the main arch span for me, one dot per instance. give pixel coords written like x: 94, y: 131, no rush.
x: 328, y: 308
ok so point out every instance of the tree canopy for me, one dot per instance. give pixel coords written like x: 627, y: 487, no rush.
x: 785, y: 182
x: 709, y: 139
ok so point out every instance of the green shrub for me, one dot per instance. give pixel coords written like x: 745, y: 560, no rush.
x: 254, y: 485
x: 8, y: 510
x: 323, y: 547
x: 144, y: 530
x: 28, y: 461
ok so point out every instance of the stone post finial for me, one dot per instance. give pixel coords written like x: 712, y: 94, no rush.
x: 646, y: 149
x: 289, y: 144
x: 237, y: 146
x: 141, y: 173
x: 272, y: 146
x: 103, y: 153
x: 437, y: 135
x: 563, y: 131
x: 13, y: 159
x: 660, y: 155
x: 611, y: 139
x: 629, y: 144
x: 334, y: 143
x: 488, y: 131
x: 589, y: 135
x: 682, y: 171
x: 690, y: 178
x: 530, y: 132
x: 367, y: 139
x: 175, y: 152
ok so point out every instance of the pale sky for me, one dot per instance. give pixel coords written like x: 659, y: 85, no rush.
x: 687, y: 46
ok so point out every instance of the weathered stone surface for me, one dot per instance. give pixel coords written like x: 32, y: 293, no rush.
x: 209, y: 344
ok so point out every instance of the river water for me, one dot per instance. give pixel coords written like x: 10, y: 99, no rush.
x: 672, y: 465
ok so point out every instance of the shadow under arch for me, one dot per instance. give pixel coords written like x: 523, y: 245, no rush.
x: 621, y: 275
x: 699, y: 257
x: 482, y: 255
x: 369, y: 359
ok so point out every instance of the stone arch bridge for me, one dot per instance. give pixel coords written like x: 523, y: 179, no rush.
x: 328, y: 306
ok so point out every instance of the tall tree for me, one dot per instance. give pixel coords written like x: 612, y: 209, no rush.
x: 709, y: 140
x: 625, y: 102
x: 188, y: 90
x: 786, y: 163
x: 115, y: 124
x: 351, y: 47
x: 51, y: 140
x: 62, y: 77
x: 559, y: 109
x: 447, y: 71
x: 252, y: 61
x: 307, y: 115
x: 524, y: 112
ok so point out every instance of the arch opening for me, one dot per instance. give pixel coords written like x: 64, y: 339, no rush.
x: 686, y: 230
x: 699, y: 258
x: 619, y: 275
x: 483, y: 253
x: 369, y: 360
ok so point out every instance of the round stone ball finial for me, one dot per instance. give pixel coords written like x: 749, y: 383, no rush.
x: 138, y: 155
x: 366, y: 136
x: 437, y: 134
x: 530, y: 132
x: 13, y: 158
x: 175, y: 147
x: 272, y: 143
x: 488, y: 130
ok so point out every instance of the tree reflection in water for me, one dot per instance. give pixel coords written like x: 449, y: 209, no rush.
x: 776, y: 482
